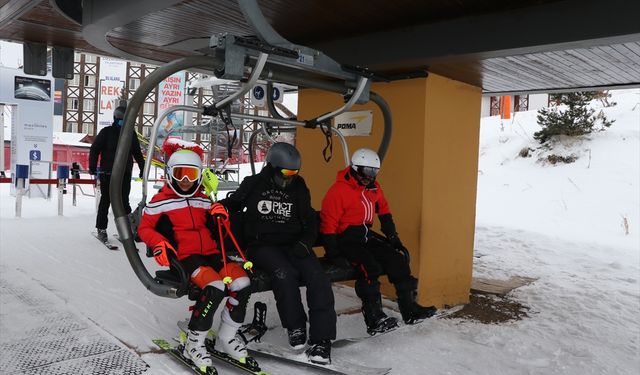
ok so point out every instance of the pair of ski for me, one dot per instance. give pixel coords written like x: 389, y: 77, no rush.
x: 107, y: 243
x: 263, y: 349
x: 250, y: 365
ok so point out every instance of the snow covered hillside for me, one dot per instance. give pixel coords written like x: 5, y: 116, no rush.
x: 562, y: 224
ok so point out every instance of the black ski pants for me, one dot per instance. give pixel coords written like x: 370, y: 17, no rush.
x: 102, y: 218
x: 286, y: 272
x: 372, y: 259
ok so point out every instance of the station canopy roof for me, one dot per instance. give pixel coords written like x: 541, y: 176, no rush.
x: 502, y: 46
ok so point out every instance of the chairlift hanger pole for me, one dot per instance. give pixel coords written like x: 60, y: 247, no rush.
x: 228, y: 56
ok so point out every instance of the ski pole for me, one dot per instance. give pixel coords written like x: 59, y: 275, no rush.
x: 227, y: 279
x: 248, y: 265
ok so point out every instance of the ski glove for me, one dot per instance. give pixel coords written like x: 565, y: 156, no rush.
x: 332, y: 253
x: 219, y: 210
x: 300, y: 250
x: 161, y: 253
x: 330, y: 243
x: 394, y: 241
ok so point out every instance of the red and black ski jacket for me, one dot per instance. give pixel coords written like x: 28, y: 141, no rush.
x: 183, y: 222
x: 348, y: 209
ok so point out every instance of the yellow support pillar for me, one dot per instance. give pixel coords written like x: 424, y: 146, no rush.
x: 429, y: 174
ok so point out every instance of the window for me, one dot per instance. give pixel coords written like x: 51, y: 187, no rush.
x: 72, y: 103
x: 246, y: 136
x: 75, y: 81
x: 149, y: 108
x: 87, y: 128
x: 90, y: 58
x: 90, y: 80
x: 72, y: 127
x: 134, y: 83
x: 88, y: 105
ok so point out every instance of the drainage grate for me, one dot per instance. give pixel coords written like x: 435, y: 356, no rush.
x: 40, y: 337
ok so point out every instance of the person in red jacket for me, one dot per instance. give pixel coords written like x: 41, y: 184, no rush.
x: 345, y: 223
x: 178, y: 222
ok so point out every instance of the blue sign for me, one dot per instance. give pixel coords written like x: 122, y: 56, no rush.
x: 275, y: 94
x: 258, y: 92
x: 34, y: 155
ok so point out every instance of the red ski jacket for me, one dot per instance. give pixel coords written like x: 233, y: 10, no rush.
x: 349, y: 204
x: 183, y: 222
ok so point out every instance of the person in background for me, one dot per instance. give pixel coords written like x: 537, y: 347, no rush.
x: 104, y: 147
x: 346, y: 218
x: 280, y: 228
x: 178, y: 222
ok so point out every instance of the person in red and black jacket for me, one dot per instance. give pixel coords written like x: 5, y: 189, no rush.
x: 346, y: 218
x: 178, y: 220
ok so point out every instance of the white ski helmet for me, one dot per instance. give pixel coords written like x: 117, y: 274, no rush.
x: 186, y: 158
x: 365, y: 162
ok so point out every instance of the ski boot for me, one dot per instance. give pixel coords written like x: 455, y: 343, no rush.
x: 196, y: 351
x: 102, y: 235
x: 297, y: 337
x: 228, y: 342
x: 375, y: 319
x: 410, y: 310
x: 320, y: 352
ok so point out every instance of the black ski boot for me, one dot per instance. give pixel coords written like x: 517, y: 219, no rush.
x: 375, y: 319
x: 320, y: 352
x: 297, y: 337
x: 102, y: 235
x: 411, y: 311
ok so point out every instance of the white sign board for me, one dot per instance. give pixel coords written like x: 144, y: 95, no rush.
x: 32, y: 120
x: 113, y: 73
x: 356, y: 123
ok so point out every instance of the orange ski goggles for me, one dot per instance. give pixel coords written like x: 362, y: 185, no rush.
x: 180, y: 172
x: 289, y: 172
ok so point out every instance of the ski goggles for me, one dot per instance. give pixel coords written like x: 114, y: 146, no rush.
x: 180, y: 172
x: 289, y: 172
x: 370, y: 172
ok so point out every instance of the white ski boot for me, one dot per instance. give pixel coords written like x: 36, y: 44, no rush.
x: 196, y: 351
x: 228, y: 341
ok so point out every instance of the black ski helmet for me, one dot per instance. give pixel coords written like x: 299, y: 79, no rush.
x: 284, y: 155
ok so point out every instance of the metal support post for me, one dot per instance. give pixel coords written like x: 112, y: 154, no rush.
x: 62, y: 174
x: 22, y: 174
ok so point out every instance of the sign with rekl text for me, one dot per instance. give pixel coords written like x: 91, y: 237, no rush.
x: 113, y: 73
x: 356, y: 123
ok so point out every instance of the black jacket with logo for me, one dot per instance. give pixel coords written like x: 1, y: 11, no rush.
x: 272, y: 215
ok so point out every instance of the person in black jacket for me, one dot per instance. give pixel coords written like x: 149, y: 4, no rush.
x: 104, y: 146
x: 280, y: 228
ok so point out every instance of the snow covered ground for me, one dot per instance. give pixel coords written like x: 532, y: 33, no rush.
x: 562, y: 224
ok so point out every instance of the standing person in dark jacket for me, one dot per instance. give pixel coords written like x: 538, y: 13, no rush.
x: 104, y: 146
x: 280, y: 228
x: 346, y: 218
